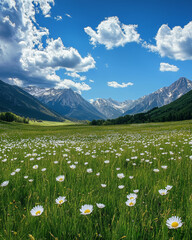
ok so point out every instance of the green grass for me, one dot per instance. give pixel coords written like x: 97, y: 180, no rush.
x: 49, y: 123
x: 160, y: 143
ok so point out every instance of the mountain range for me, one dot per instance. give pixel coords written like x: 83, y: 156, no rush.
x: 16, y: 100
x: 66, y: 102
x: 56, y: 104
x: 161, y: 97
x: 180, y: 109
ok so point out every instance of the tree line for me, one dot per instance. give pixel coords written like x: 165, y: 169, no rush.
x: 145, y: 118
x: 11, y: 117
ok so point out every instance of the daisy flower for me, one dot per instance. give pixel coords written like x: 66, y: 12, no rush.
x: 121, y: 186
x: 156, y: 170
x: 43, y: 169
x: 4, y: 184
x: 100, y: 205
x: 136, y: 190
x: 86, y: 209
x: 163, y: 191
x: 103, y: 185
x: 98, y: 174
x: 168, y: 187
x: 132, y: 196
x: 130, y: 177
x: 120, y: 175
x: 106, y: 161
x: 174, y: 222
x: 89, y: 170
x: 35, y: 166
x: 72, y: 166
x: 164, y: 167
x: 60, y: 178
x: 37, y: 211
x: 130, y: 202
x: 60, y: 200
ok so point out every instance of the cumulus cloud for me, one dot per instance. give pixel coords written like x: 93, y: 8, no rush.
x: 26, y: 49
x: 118, y: 85
x: 15, y: 81
x: 58, y: 18
x: 166, y: 67
x: 112, y: 33
x: 174, y: 43
x: 76, y: 75
x: 76, y: 86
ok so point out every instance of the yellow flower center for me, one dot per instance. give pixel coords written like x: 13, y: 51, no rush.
x: 87, y: 211
x: 38, y: 212
x: 131, y: 204
x: 60, y: 179
x: 60, y: 201
x: 131, y: 197
x: 174, y: 224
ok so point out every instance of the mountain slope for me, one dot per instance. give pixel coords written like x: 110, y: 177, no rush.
x: 111, y: 108
x: 180, y: 109
x: 14, y: 99
x: 161, y: 97
x: 66, y: 102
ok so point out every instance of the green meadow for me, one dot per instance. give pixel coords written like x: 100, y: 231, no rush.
x: 148, y: 157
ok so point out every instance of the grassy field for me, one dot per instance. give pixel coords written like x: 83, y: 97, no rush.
x: 33, y: 156
x: 49, y: 123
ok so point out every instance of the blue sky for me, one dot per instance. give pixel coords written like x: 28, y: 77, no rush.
x: 100, y: 48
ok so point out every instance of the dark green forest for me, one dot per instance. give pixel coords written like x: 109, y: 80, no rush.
x: 180, y: 109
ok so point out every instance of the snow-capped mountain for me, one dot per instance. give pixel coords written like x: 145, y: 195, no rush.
x: 66, y: 102
x: 161, y: 97
x: 14, y: 99
x: 113, y: 109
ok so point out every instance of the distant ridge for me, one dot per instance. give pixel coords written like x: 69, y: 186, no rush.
x: 180, y: 109
x: 162, y: 96
x: 66, y: 102
x: 16, y: 100
x: 113, y: 109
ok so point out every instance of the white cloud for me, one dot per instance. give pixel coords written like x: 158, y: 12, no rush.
x: 174, y: 43
x: 92, y: 81
x: 45, y: 5
x: 112, y: 33
x: 55, y: 56
x: 76, y: 75
x: 58, y: 18
x: 166, y: 67
x: 24, y: 55
x: 15, y: 81
x: 76, y: 86
x: 118, y: 85
x: 69, y: 16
